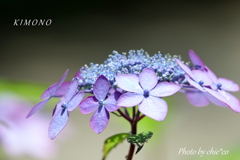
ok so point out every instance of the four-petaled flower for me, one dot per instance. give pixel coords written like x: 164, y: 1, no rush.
x: 56, y: 90
x: 144, y: 91
x: 66, y: 104
x: 100, y: 103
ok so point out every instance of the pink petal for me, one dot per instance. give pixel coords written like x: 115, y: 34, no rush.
x: 148, y: 79
x: 57, y: 124
x: 202, y: 76
x: 63, y: 89
x: 217, y: 95
x: 232, y: 101
x: 101, y: 87
x: 111, y: 102
x: 89, y: 105
x: 185, y: 68
x: 129, y: 82
x: 164, y: 89
x: 197, y: 98
x: 71, y: 90
x: 153, y: 107
x: 63, y: 78
x: 75, y: 101
x: 130, y: 99
x: 194, y: 84
x: 195, y: 59
x: 99, y: 120
x: 228, y: 85
x: 38, y: 107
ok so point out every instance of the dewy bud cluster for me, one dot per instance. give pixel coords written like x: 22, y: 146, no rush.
x: 135, y: 79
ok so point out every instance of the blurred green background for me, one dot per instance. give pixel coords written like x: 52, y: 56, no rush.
x: 88, y: 31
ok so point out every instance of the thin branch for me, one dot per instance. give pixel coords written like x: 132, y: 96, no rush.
x: 124, y: 116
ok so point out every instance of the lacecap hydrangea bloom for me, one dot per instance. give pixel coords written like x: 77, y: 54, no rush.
x: 137, y: 80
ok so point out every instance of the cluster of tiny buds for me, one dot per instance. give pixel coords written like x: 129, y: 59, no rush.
x: 134, y: 62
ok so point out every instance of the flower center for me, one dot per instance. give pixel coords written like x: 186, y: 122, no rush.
x: 101, y: 102
x: 200, y: 83
x: 146, y: 94
x: 64, y: 105
x: 219, y: 85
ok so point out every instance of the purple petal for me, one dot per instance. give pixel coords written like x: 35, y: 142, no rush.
x: 75, y: 101
x: 185, y: 68
x: 58, y: 107
x: 110, y: 102
x: 37, y: 107
x: 153, y: 107
x: 99, y: 120
x: 50, y: 91
x: 71, y: 90
x: 195, y: 59
x: 148, y: 79
x: 57, y: 124
x: 232, y: 101
x: 197, y: 98
x: 62, y: 90
x: 130, y: 99
x: 101, y: 87
x: 202, y: 76
x: 211, y: 75
x: 164, y: 89
x: 194, y: 84
x: 89, y: 105
x: 228, y: 85
x: 128, y: 82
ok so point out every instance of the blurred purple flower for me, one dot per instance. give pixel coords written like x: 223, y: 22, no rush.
x: 66, y: 104
x: 20, y: 136
x: 100, y: 103
x: 56, y: 90
x: 144, y: 91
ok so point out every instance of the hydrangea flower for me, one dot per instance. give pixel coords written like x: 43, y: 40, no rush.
x: 66, y: 104
x: 56, y: 90
x: 144, y: 90
x: 206, y: 81
x: 100, y: 104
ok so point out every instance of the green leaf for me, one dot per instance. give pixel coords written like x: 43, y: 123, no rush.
x: 140, y: 138
x: 112, y: 142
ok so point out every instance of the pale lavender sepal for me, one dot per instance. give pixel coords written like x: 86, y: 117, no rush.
x: 111, y: 102
x: 71, y: 90
x: 75, y: 101
x: 58, y: 107
x: 214, y: 100
x: 128, y: 82
x: 194, y: 84
x: 57, y: 124
x: 202, y: 76
x: 211, y: 75
x: 38, y: 107
x: 195, y: 59
x: 197, y: 98
x: 217, y: 95
x: 52, y: 89
x: 148, y: 79
x: 63, y: 89
x: 101, y: 87
x: 164, y: 89
x: 228, y: 85
x: 185, y: 68
x: 99, y: 120
x: 232, y: 101
x: 89, y: 105
x: 153, y: 107
x: 130, y: 99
